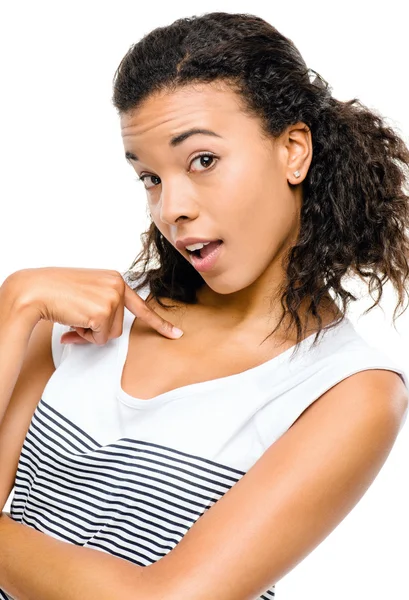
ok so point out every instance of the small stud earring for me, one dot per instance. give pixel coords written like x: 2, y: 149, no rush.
x: 297, y: 173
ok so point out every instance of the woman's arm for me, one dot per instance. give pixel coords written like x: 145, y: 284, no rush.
x: 300, y: 489
x: 16, y: 326
x: 36, y: 566
x: 26, y: 364
x: 38, y: 367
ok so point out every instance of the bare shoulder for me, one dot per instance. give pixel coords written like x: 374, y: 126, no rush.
x: 293, y: 497
x: 372, y: 390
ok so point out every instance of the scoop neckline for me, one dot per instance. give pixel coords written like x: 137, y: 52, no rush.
x: 199, y: 386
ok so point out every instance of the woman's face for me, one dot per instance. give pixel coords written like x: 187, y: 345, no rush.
x: 238, y: 192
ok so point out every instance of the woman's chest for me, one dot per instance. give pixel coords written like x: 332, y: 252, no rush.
x: 155, y: 365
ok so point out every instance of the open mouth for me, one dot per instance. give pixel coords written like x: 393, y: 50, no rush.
x: 206, y: 250
x: 195, y: 252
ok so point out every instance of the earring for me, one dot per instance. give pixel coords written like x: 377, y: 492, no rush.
x: 297, y: 173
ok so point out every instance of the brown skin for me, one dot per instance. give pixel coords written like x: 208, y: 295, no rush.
x: 363, y: 413
x: 243, y: 197
x: 249, y: 197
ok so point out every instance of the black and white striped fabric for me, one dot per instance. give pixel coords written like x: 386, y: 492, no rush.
x: 131, y: 498
x: 102, y: 469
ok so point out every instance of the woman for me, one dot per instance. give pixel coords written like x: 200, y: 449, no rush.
x: 264, y: 192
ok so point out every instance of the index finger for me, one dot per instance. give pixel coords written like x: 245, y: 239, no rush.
x: 138, y: 307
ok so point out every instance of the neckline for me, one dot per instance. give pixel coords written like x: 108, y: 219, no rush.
x: 199, y: 386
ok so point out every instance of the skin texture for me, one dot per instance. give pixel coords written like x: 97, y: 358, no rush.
x: 247, y: 196
x: 251, y: 200
x: 303, y: 486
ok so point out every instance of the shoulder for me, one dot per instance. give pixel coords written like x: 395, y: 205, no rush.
x: 303, y: 486
x: 376, y: 392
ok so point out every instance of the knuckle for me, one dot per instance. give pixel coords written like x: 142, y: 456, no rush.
x: 166, y: 326
x: 156, y: 320
x: 120, y: 283
x: 98, y: 319
x: 93, y: 323
x: 117, y: 277
x: 114, y: 298
x: 107, y: 313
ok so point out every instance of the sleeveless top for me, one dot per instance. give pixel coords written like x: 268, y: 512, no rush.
x: 129, y: 476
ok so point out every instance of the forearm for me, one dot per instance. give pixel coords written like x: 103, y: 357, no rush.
x: 16, y: 326
x: 35, y: 566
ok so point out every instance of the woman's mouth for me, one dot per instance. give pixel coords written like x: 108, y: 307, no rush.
x: 204, y: 259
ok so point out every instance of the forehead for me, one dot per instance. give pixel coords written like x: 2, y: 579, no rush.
x: 198, y: 103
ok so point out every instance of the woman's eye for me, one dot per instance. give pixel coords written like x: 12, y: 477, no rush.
x: 203, y: 161
x: 143, y: 177
x: 206, y: 163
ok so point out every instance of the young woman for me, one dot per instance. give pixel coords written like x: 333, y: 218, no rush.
x: 208, y: 466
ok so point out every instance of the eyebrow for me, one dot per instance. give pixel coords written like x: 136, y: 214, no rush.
x: 178, y: 139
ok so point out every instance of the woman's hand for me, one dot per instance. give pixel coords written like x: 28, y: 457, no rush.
x: 91, y: 301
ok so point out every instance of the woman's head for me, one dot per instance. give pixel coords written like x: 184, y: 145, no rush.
x: 233, y: 185
x: 237, y: 76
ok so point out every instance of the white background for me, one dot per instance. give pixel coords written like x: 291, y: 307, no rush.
x: 68, y: 198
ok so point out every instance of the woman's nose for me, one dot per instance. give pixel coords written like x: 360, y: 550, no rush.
x: 177, y: 202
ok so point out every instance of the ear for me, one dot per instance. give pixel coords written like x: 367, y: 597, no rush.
x: 298, y: 146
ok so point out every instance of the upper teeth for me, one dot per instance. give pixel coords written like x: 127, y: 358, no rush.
x: 197, y: 246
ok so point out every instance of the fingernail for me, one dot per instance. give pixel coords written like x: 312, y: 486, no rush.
x: 177, y: 332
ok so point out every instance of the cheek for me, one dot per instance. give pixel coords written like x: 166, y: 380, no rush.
x: 262, y: 214
x: 253, y: 201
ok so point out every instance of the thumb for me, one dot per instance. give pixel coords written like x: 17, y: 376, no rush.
x: 72, y: 337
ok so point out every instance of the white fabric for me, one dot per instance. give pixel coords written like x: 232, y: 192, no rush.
x: 129, y: 476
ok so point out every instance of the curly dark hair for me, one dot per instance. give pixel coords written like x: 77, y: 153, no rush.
x: 354, y: 214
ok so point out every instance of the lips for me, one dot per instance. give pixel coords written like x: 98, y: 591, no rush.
x: 207, y: 257
x: 206, y: 250
x: 182, y: 243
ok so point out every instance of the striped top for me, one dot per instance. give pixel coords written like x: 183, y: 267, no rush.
x: 128, y: 476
